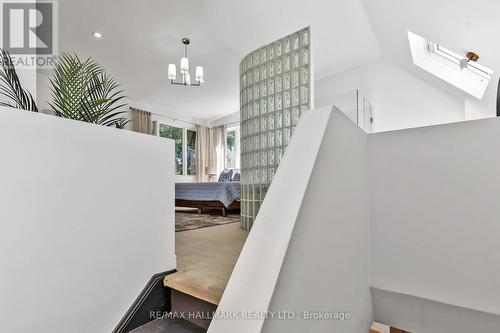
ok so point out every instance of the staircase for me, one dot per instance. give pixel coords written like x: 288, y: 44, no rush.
x: 162, y: 309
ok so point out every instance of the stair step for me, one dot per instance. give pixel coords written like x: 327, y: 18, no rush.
x: 169, y: 326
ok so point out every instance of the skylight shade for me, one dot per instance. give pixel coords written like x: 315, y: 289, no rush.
x: 448, y: 66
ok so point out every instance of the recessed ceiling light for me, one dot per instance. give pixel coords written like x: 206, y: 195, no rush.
x: 97, y: 34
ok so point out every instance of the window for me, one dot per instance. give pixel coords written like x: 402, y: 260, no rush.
x: 450, y: 66
x: 233, y: 148
x: 174, y: 133
x: 191, y: 152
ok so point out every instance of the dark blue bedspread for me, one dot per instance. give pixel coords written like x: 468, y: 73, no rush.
x: 225, y: 192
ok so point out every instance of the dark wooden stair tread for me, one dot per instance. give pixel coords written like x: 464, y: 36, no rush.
x: 169, y: 326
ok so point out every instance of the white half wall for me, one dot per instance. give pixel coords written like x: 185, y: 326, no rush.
x: 435, y: 213
x: 302, y: 254
x: 87, y: 218
x: 401, y: 99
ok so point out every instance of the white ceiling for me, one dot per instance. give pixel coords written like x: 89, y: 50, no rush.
x: 142, y: 37
x: 459, y: 25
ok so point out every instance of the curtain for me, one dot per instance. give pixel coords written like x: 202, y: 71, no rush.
x: 201, y: 153
x: 217, y: 148
x: 210, y: 150
x: 141, y: 121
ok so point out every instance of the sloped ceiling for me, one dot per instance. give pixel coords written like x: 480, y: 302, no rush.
x: 142, y: 37
x: 459, y: 25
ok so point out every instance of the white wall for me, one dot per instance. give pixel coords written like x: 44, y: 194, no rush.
x: 327, y: 263
x: 232, y: 119
x: 401, y: 100
x: 87, y: 217
x: 303, y: 254
x: 435, y: 213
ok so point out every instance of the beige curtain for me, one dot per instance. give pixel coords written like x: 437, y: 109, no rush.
x: 210, y: 150
x: 217, y: 148
x: 201, y: 153
x: 141, y: 121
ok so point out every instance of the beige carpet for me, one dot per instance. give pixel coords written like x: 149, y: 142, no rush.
x: 205, y: 260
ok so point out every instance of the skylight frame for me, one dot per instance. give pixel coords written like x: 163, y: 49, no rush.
x: 447, y: 65
x: 455, y: 58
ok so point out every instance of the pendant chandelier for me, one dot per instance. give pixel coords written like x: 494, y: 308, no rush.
x: 184, y: 69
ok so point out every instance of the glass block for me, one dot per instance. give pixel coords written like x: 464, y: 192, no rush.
x: 256, y: 91
x: 249, y: 111
x: 279, y: 153
x: 304, y: 94
x: 256, y: 59
x: 263, y: 72
x: 270, y: 69
x: 278, y: 84
x: 270, y: 104
x: 295, y: 97
x: 256, y: 176
x: 270, y: 175
x: 270, y: 52
x: 295, y: 42
x: 279, y: 101
x: 279, y: 138
x: 286, y: 81
x: 304, y: 75
x: 287, y: 99
x: 256, y: 142
x: 279, y: 66
x: 286, y: 63
x: 256, y: 125
x: 263, y: 106
x: 270, y: 139
x: 270, y: 87
x: 278, y: 49
x: 286, y: 118
x: 295, y: 79
x: 256, y: 108
x: 249, y: 60
x: 263, y: 89
x: 295, y: 60
x: 286, y: 136
x: 304, y: 108
x: 263, y: 124
x: 279, y: 119
x: 295, y: 116
x: 250, y: 94
x: 271, y: 157
x: 249, y: 78
x: 263, y: 55
x: 244, y: 80
x: 244, y: 97
x: 263, y: 176
x: 286, y: 45
x: 270, y: 122
x: 304, y: 38
x: 263, y: 141
x: 304, y: 57
x: 256, y: 75
x: 263, y: 155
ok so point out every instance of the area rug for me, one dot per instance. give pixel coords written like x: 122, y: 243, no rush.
x: 191, y: 220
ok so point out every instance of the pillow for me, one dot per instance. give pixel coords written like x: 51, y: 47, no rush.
x: 226, y: 176
x: 236, y: 176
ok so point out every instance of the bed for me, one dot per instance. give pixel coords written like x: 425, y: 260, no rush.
x: 223, y: 196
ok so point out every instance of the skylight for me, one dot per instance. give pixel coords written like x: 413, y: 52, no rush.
x: 449, y: 66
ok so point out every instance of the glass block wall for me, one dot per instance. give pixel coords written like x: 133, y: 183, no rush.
x: 275, y: 89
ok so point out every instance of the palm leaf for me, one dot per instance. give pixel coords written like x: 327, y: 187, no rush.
x: 81, y: 90
x: 11, y: 88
